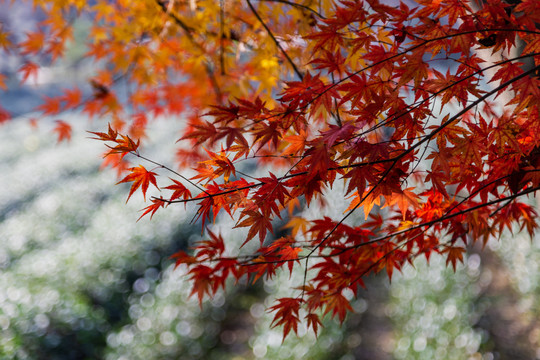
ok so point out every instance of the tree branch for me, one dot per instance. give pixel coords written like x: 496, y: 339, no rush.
x: 189, y: 33
x: 254, y: 11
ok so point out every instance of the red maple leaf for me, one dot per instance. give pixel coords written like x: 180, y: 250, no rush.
x: 257, y: 223
x: 151, y: 209
x: 63, y: 130
x: 179, y: 190
x: 287, y: 311
x: 27, y: 70
x: 140, y: 178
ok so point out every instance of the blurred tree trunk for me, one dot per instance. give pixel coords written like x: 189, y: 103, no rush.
x: 370, y: 334
x: 513, y: 331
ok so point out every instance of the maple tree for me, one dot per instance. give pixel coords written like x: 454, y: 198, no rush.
x: 427, y: 113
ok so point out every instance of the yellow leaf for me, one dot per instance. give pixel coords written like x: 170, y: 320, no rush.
x: 297, y: 224
x: 367, y: 203
x: 403, y: 200
x: 5, y: 43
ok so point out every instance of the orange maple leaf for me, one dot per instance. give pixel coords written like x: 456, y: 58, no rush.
x: 297, y: 143
x: 403, y: 200
x: 338, y: 305
x: 111, y: 135
x: 72, y: 98
x: 115, y: 161
x: 125, y: 145
x: 289, y: 254
x: 296, y: 224
x: 141, y: 178
x: 179, y: 190
x: 51, y: 105
x: 63, y: 130
x: 367, y: 203
x: 27, y: 70
x: 455, y: 254
x: 34, y: 42
x: 151, y: 209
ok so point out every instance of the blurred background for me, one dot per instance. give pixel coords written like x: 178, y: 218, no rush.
x: 80, y: 278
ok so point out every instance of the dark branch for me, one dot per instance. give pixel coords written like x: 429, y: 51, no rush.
x: 254, y: 11
x: 189, y: 33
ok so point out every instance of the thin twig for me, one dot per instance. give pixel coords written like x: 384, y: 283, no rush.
x: 169, y: 169
x: 297, y: 6
x: 222, y: 36
x: 254, y: 11
x: 189, y: 33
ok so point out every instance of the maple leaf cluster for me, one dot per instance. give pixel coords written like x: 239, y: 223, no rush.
x: 428, y: 113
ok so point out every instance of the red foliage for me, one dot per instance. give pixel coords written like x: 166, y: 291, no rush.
x: 63, y: 130
x: 389, y: 101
